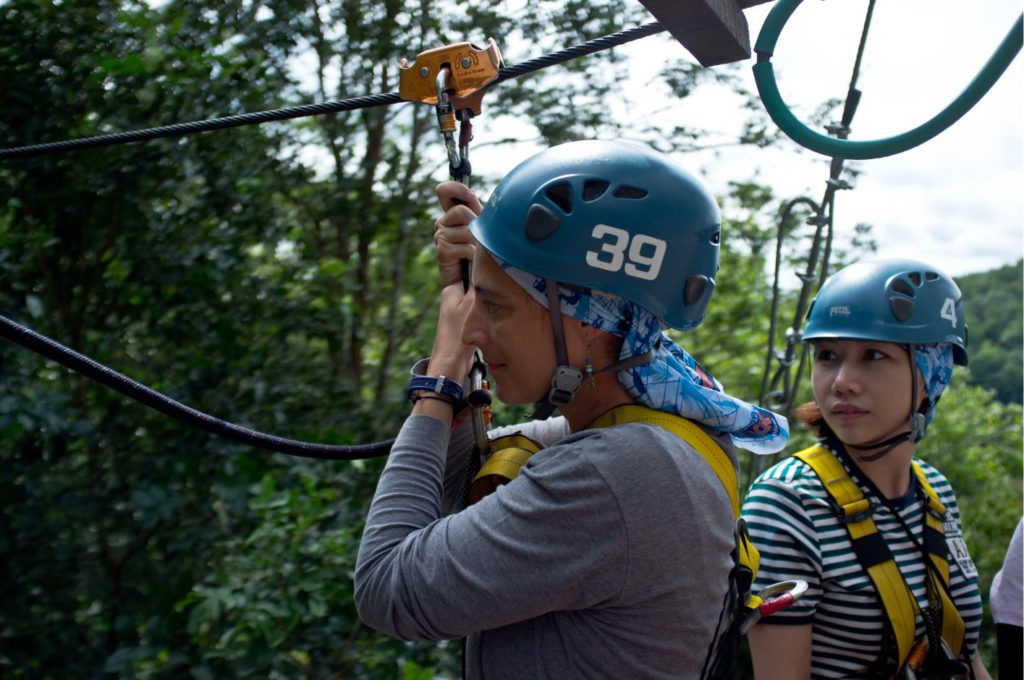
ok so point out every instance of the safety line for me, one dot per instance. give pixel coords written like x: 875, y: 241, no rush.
x: 369, y: 101
x: 82, y: 364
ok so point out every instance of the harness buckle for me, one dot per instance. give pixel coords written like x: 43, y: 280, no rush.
x: 851, y: 513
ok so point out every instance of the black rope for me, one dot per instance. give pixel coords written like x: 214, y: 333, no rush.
x: 84, y: 365
x: 186, y: 414
x: 178, y: 129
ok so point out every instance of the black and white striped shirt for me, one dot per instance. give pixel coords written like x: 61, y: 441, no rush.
x: 796, y: 529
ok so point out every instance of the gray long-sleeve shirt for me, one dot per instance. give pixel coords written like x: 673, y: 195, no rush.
x: 607, y: 557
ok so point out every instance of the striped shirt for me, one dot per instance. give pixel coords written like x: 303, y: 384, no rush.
x: 795, y: 527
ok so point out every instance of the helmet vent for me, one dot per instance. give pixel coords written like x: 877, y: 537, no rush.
x: 694, y: 288
x: 626, y: 191
x: 901, y: 286
x: 593, y: 189
x: 561, y: 195
x: 931, y: 276
x: 716, y: 238
x: 915, y: 278
x: 901, y: 308
x: 541, y: 223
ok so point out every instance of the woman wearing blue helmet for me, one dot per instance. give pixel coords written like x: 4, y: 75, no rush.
x: 875, y: 532
x: 608, y: 555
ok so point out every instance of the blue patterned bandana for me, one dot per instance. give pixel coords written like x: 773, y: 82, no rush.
x: 673, y: 381
x: 936, y: 365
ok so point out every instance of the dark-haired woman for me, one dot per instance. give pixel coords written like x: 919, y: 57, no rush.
x: 875, y: 531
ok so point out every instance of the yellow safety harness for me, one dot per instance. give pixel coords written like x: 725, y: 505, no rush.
x: 900, y: 605
x: 512, y: 452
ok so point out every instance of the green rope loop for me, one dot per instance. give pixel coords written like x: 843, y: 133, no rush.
x: 764, y: 77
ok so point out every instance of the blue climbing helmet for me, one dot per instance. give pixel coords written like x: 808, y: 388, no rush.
x: 900, y: 301
x: 617, y: 217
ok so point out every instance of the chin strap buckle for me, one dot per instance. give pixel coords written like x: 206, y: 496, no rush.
x: 918, y: 423
x: 565, y: 383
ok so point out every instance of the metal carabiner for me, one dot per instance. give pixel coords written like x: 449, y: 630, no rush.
x: 776, y: 597
x: 446, y: 121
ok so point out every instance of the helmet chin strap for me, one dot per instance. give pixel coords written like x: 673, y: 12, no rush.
x: 916, y: 421
x: 566, y: 380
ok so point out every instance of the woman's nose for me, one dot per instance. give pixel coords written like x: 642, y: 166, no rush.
x: 473, y: 333
x: 845, y: 379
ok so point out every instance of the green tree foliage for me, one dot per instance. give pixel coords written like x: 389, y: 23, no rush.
x: 977, y: 441
x: 994, y: 304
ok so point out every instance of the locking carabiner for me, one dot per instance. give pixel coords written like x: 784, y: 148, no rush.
x: 458, y: 156
x: 773, y: 598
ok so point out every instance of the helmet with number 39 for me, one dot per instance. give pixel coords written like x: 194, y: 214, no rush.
x: 617, y: 217
x: 898, y: 301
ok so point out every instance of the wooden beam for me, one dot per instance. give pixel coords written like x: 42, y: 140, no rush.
x: 713, y: 31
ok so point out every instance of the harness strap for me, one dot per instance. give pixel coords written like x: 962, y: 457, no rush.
x: 510, y: 455
x: 689, y: 432
x: 874, y: 555
x: 953, y: 628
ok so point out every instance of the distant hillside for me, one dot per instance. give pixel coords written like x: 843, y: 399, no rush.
x: 994, y: 306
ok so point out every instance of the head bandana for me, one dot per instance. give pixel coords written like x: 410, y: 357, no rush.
x: 936, y: 365
x: 673, y: 381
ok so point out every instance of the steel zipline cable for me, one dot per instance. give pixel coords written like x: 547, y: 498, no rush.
x: 370, y: 101
x: 93, y: 370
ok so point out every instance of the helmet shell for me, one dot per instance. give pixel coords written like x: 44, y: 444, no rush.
x: 899, y: 301
x: 618, y: 217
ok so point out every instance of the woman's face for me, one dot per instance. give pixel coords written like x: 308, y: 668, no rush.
x: 512, y: 330
x: 863, y: 388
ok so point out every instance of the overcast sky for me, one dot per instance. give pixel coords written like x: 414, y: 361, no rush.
x: 955, y: 201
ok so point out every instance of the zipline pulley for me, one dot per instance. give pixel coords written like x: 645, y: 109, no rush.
x: 452, y: 78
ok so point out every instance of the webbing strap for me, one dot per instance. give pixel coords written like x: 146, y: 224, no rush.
x: 954, y: 629
x: 510, y: 455
x: 874, y: 555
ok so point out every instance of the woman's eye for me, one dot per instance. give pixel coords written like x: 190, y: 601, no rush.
x: 825, y: 355
x: 874, y: 355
